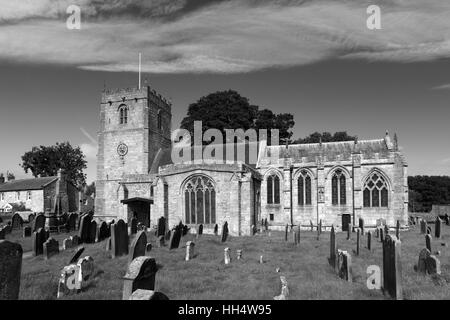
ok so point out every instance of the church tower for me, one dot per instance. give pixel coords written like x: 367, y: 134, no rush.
x: 134, y: 125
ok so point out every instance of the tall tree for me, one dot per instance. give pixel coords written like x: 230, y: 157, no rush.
x: 316, y: 137
x: 45, y: 161
x: 229, y: 110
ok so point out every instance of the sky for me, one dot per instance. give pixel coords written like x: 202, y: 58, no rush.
x: 315, y: 59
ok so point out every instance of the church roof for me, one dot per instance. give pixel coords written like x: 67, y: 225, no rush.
x: 27, y: 184
x: 331, y: 150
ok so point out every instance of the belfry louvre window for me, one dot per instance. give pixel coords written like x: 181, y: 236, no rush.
x: 273, y: 189
x: 200, y: 201
x: 338, y: 185
x: 123, y: 114
x: 304, y: 189
x: 375, y: 191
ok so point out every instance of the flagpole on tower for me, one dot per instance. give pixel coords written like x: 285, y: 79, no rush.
x: 139, y: 71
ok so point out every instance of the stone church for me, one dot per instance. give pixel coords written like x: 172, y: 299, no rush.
x: 337, y: 183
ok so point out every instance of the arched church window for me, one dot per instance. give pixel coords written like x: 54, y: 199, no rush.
x: 304, y: 188
x: 200, y: 201
x: 273, y: 189
x: 375, y: 191
x: 338, y: 188
x: 123, y: 114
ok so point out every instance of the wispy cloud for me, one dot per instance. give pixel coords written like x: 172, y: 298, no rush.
x: 221, y: 36
x: 442, y: 87
x: 89, y: 149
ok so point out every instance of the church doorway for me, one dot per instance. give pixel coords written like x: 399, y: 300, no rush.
x: 346, y: 221
x: 140, y: 209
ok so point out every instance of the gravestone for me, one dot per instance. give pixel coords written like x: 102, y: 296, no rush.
x: 266, y: 224
x: 84, y: 229
x: 333, y: 248
x: 92, y: 231
x: 39, y: 222
x: 72, y: 222
x: 161, y: 227
x: 133, y: 225
x: 319, y: 227
x: 161, y: 242
x: 286, y: 231
x: 16, y: 221
x: 167, y: 236
x: 50, y: 248
x: 68, y: 281
x: 369, y: 240
x: 102, y: 232
x: 26, y: 231
x: 284, y: 290
x: 67, y: 244
x: 148, y: 248
x: 377, y: 232
x: 86, y: 269
x: 381, y: 235
x: 30, y: 220
x: 397, y: 230
x: 2, y: 233
x: 358, y: 240
x: 10, y: 269
x: 422, y: 264
x: 392, y: 268
x: 200, y: 230
x: 344, y: 265
x: 185, y: 230
x: 298, y: 234
x: 437, y: 228
x: 312, y: 226
x: 38, y: 239
x: 75, y: 240
x: 227, y: 258
x: 175, y: 238
x: 433, y: 265
x: 423, y: 226
x: 428, y: 241
x: 138, y: 246
x: 141, y: 274
x: 225, y: 232
x: 238, y: 254
x: 108, y: 244
x: 216, y: 230
x: 429, y: 230
x: 361, y: 225
x: 77, y: 255
x: 119, y: 239
x: 189, y: 250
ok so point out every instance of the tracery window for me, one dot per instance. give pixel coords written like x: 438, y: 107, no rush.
x: 375, y: 191
x: 338, y: 188
x: 304, y: 188
x: 273, y: 189
x: 123, y: 114
x: 200, y: 201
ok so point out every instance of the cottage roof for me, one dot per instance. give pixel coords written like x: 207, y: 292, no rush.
x: 27, y: 184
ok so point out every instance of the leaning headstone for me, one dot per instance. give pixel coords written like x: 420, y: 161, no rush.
x: 175, y: 239
x: 39, y: 222
x: 50, y: 248
x: 344, y: 265
x: 227, y: 258
x: 26, y: 231
x: 133, y: 225
x: 428, y: 241
x: 189, y: 250
x: 437, y: 228
x: 16, y: 221
x: 333, y: 248
x: 10, y: 269
x: 77, y: 255
x: 141, y: 274
x: 225, y: 232
x: 161, y: 227
x: 119, y: 239
x: 138, y: 246
x: 392, y: 268
x: 84, y: 229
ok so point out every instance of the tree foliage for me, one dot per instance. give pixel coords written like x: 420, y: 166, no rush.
x: 45, y: 161
x: 229, y: 110
x: 316, y: 137
x: 424, y: 191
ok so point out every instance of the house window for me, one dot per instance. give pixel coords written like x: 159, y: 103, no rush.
x: 29, y: 195
x: 273, y: 189
x: 123, y: 114
x: 271, y: 217
x: 200, y: 201
x: 304, y: 189
x: 375, y: 191
x: 338, y: 188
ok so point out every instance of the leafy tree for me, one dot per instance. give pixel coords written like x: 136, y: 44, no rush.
x: 316, y: 137
x: 10, y: 176
x: 90, y: 189
x: 229, y: 110
x: 45, y: 161
x: 424, y: 191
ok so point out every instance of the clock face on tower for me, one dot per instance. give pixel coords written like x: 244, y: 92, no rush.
x: 122, y: 149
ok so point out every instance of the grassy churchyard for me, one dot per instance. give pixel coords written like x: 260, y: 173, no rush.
x: 305, y: 267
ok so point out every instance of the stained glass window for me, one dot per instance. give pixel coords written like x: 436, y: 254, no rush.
x: 200, y: 201
x: 376, y: 192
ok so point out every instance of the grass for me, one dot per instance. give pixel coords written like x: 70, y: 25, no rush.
x: 206, y: 276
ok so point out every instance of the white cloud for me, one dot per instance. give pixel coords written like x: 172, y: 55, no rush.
x: 228, y: 37
x: 89, y: 150
x: 442, y: 87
